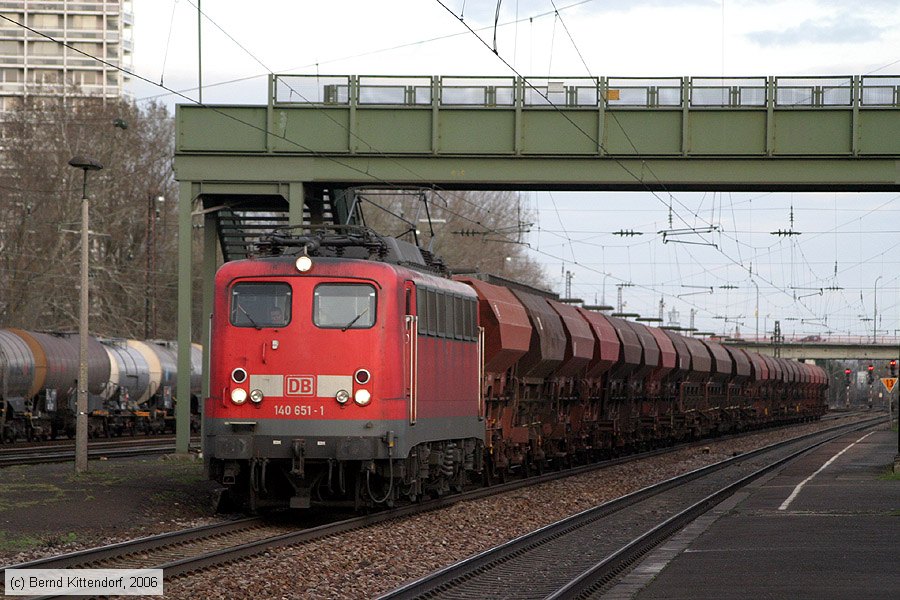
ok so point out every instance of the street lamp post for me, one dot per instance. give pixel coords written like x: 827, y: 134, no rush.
x: 81, y: 406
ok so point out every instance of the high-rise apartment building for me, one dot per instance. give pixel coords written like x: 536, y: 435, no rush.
x: 31, y: 64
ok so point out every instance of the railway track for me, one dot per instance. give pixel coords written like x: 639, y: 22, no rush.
x: 182, y: 552
x: 37, y: 454
x: 62, y: 451
x: 577, y: 557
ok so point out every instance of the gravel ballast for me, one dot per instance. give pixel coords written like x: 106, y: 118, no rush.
x: 374, y: 560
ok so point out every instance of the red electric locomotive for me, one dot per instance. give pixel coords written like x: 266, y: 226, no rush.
x: 345, y: 373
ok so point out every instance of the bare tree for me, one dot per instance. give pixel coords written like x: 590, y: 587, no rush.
x: 133, y: 252
x: 133, y: 233
x: 471, y: 230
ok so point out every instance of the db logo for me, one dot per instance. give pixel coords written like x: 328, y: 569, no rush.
x: 299, y: 385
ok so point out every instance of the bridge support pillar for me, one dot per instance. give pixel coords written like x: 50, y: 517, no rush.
x: 183, y: 389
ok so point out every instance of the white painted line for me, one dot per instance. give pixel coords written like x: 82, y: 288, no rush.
x: 800, y: 485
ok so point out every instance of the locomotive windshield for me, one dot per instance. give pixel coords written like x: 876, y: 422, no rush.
x: 260, y: 305
x: 344, y: 306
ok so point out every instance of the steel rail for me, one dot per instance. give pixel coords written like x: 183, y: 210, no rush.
x: 218, y: 557
x: 445, y: 579
x: 606, y: 571
x: 266, y: 540
x: 52, y: 455
x: 92, y: 556
x: 93, y: 443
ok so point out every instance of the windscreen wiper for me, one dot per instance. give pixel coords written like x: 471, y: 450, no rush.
x: 355, y: 319
x: 249, y: 318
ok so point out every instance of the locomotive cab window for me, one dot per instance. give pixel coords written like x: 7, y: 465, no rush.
x: 344, y: 306
x: 260, y: 305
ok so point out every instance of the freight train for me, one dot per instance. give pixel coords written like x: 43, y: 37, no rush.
x: 130, y: 385
x: 349, y: 368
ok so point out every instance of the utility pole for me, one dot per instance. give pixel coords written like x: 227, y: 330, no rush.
x: 776, y: 340
x: 199, y: 53
x: 757, y: 308
x: 875, y: 312
x: 149, y: 266
x: 603, y: 300
x: 150, y: 277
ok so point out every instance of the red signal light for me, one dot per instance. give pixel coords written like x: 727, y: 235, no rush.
x: 847, y: 371
x: 893, y: 363
x: 871, y: 368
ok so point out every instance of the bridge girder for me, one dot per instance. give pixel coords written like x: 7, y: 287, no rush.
x: 824, y: 351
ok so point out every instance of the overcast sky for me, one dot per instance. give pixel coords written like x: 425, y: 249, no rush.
x: 848, y: 240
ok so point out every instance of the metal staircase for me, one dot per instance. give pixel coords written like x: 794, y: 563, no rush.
x: 242, y: 223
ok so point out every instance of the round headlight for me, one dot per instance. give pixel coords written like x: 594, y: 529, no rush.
x: 362, y: 397
x: 303, y: 263
x: 239, y: 375
x: 238, y: 395
x: 362, y: 377
x: 342, y: 396
x: 256, y: 396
